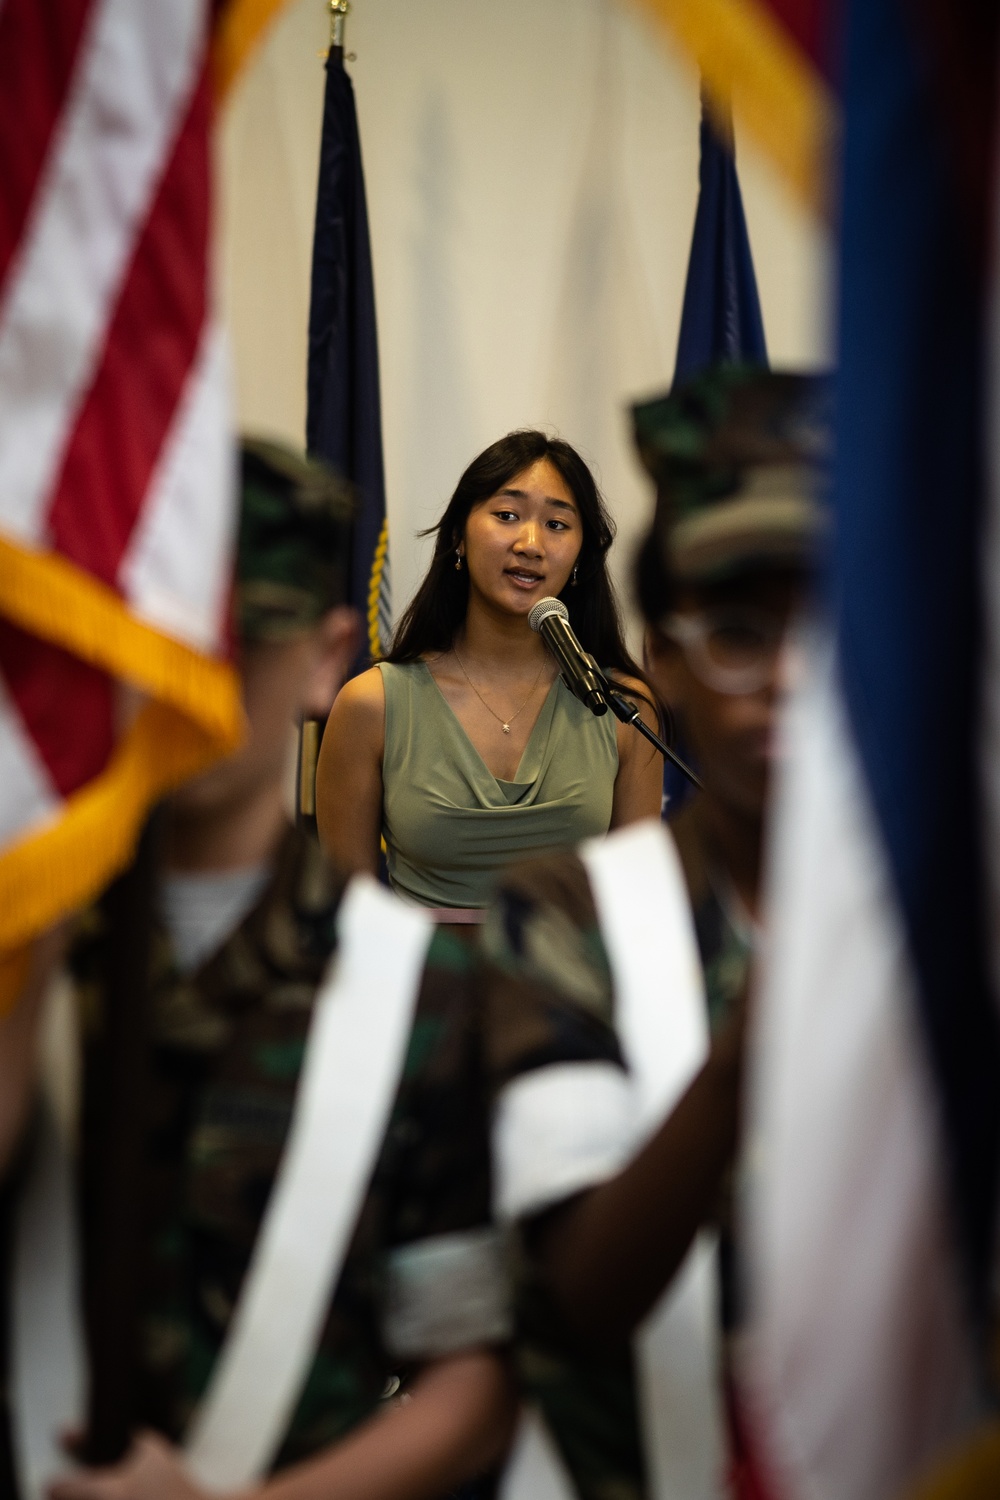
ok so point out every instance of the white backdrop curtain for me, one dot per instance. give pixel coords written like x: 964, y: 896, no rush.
x: 532, y: 177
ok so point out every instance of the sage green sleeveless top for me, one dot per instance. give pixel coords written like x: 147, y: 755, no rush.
x: 449, y: 825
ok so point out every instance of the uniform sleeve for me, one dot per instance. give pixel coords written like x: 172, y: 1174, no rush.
x: 563, y: 1110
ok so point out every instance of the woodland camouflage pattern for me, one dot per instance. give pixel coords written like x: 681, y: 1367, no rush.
x: 294, y: 543
x: 726, y: 948
x: 227, y: 1049
x: 735, y: 453
x: 697, y: 441
x: 724, y: 943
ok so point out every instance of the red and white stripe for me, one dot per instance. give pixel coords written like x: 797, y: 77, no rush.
x: 115, y: 438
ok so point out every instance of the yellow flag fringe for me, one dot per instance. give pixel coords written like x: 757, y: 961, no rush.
x: 238, y: 32
x: 193, y: 717
x: 747, y: 62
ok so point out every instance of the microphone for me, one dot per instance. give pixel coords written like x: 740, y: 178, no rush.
x: 586, y: 681
x: 582, y: 676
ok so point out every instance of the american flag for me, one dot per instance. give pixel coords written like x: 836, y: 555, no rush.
x: 116, y: 446
x: 873, y: 1150
x: 871, y: 1155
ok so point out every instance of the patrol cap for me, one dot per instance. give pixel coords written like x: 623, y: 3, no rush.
x: 295, y: 541
x: 735, y: 453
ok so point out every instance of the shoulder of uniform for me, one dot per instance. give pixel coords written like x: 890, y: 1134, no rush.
x: 542, y: 930
x: 319, y: 884
x: 559, y: 881
x: 294, y: 926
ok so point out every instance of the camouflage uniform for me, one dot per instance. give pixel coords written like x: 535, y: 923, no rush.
x: 549, y: 999
x: 227, y: 1047
x: 725, y: 940
x: 734, y: 454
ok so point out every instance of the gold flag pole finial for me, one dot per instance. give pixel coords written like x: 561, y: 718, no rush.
x: 338, y: 19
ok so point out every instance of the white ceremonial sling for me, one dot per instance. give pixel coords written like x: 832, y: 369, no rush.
x: 354, y: 1058
x: 661, y: 1018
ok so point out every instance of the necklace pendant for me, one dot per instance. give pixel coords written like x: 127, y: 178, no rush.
x: 505, y: 728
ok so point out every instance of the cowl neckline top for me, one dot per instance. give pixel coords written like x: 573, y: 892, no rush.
x: 450, y: 825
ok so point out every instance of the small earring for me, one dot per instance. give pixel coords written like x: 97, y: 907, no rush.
x: 458, y: 561
x: 572, y: 581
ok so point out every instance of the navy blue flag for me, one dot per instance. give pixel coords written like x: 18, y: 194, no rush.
x: 344, y: 421
x: 878, y: 1085
x: 911, y: 498
x: 721, y: 318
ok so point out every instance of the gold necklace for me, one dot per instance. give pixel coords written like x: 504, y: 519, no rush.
x: 504, y: 723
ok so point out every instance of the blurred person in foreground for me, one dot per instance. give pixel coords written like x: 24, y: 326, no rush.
x: 250, y: 917
x: 720, y: 579
x: 598, y: 956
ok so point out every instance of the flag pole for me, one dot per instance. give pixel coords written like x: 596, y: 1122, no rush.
x: 113, y: 1164
x: 311, y: 730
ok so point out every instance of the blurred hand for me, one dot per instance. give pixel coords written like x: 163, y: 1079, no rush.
x: 153, y: 1469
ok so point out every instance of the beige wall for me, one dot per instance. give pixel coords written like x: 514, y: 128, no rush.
x: 532, y: 178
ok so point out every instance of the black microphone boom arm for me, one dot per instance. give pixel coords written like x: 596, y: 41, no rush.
x: 629, y: 714
x: 585, y: 679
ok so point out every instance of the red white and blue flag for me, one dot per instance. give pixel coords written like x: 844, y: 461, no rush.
x: 116, y: 443
x: 872, y: 1156
x: 873, y: 1139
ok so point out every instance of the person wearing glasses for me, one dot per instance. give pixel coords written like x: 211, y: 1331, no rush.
x: 616, y: 1124
x: 720, y: 579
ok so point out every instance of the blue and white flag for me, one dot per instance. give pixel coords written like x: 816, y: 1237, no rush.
x: 873, y: 1135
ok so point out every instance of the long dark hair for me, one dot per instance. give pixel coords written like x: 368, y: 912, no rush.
x: 438, y: 608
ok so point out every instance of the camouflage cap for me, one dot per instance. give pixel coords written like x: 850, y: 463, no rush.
x: 736, y: 456
x: 295, y: 540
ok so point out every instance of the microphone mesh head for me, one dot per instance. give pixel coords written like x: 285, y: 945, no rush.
x: 543, y: 609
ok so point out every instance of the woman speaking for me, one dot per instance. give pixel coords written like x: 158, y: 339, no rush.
x: 464, y: 749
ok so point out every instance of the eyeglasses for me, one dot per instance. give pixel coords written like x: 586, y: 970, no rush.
x: 730, y: 650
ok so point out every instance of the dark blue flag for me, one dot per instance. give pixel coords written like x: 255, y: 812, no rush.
x: 721, y: 318
x: 343, y: 421
x: 911, y: 501
x: 879, y: 1102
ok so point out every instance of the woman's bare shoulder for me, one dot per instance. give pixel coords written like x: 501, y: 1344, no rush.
x: 360, y: 704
